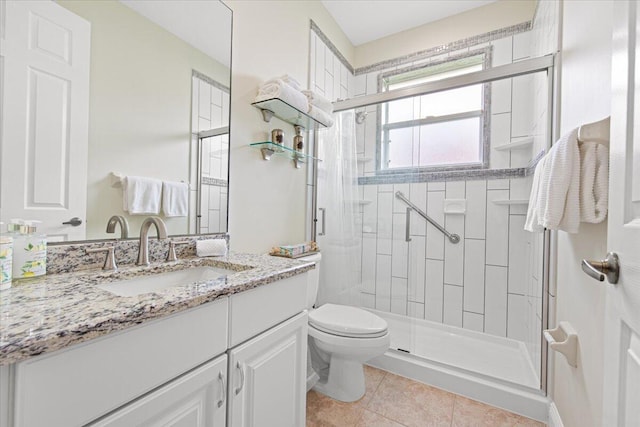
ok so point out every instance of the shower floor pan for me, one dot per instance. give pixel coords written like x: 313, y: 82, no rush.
x: 491, y: 369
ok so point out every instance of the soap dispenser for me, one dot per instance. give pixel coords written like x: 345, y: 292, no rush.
x: 30, y: 252
x: 6, y: 263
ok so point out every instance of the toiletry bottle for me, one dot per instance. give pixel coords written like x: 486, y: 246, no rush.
x: 30, y: 252
x: 6, y: 263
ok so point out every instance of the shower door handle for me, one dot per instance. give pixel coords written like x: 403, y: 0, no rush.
x: 407, y: 235
x: 323, y: 222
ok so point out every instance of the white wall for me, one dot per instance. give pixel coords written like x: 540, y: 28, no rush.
x: 267, y: 198
x: 487, y: 18
x: 140, y: 106
x: 585, y: 97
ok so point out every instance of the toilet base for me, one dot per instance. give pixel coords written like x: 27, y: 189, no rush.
x: 345, y: 381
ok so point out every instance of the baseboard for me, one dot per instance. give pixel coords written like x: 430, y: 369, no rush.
x: 554, y: 416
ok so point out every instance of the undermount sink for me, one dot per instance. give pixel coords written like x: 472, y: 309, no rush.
x: 146, y: 284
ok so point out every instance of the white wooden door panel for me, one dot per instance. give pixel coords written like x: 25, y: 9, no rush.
x: 622, y: 327
x: 45, y: 124
x: 197, y: 399
x: 267, y: 382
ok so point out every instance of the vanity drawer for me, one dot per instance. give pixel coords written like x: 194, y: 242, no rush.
x: 253, y: 312
x: 74, y: 386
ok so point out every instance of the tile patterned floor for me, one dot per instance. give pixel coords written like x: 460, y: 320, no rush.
x: 394, y: 401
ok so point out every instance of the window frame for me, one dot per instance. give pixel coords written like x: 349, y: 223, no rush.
x: 382, y: 129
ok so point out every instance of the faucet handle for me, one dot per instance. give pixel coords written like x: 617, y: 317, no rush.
x: 171, y: 255
x: 110, y: 260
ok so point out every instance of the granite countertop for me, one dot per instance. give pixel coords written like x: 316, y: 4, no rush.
x: 49, y: 313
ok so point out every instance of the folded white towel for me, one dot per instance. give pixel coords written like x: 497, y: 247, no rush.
x: 321, y: 116
x: 319, y: 101
x: 288, y: 80
x: 175, y: 198
x: 532, y: 222
x: 594, y: 182
x: 285, y: 92
x: 211, y: 247
x: 141, y: 196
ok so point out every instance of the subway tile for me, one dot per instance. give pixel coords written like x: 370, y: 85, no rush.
x: 367, y: 300
x: 498, y: 184
x: 204, y: 100
x: 345, y: 76
x: 370, y: 211
x: 435, y: 239
x: 400, y: 248
x: 337, y: 79
x: 313, y: 39
x: 454, y: 253
x: 225, y: 108
x: 385, y: 223
x: 455, y: 190
x: 415, y: 309
x: 516, y: 318
x: 473, y: 275
x: 452, y: 312
x: 500, y: 131
x: 214, y: 197
x: 475, y: 223
x: 436, y: 186
x: 520, y: 188
x: 517, y: 255
x: 417, y: 268
x: 216, y: 96
x: 473, y: 321
x: 418, y: 196
x: 501, y: 96
x: 360, y: 85
x: 328, y: 60
x: 319, y: 65
x: 502, y: 51
x: 434, y: 290
x: 214, y: 221
x: 399, y: 295
x: 497, y: 237
x: 369, y: 259
x: 496, y: 300
x: 522, y: 107
x: 328, y: 86
x: 522, y: 44
x: 372, y: 83
x: 383, y: 282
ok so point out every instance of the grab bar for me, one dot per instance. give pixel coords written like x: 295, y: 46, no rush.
x: 453, y: 238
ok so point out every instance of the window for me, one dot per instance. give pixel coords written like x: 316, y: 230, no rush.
x: 436, y: 130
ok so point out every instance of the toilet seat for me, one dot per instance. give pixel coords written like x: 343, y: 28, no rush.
x: 345, y: 321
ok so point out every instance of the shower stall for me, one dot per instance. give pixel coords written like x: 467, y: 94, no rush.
x: 419, y: 206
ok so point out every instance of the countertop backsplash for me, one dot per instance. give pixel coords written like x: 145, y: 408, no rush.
x: 67, y: 258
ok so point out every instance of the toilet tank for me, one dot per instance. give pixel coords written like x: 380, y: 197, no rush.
x: 313, y: 279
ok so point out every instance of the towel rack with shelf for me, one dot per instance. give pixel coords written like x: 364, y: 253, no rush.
x: 279, y: 108
x: 268, y: 149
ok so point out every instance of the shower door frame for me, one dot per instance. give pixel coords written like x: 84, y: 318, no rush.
x: 527, y: 66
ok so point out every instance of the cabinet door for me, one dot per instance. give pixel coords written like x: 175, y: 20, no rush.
x: 197, y: 399
x: 267, y: 377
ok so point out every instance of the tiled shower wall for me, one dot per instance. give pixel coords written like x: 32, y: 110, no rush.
x: 492, y: 280
x: 210, y: 110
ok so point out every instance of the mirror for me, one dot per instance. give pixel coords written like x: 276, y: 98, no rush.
x: 98, y: 90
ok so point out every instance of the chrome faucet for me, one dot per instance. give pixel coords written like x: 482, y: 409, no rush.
x: 124, y: 225
x: 143, y: 249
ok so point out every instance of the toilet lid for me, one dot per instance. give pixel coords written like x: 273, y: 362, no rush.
x: 347, y: 321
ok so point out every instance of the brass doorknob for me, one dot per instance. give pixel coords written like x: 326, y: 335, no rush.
x: 609, y: 267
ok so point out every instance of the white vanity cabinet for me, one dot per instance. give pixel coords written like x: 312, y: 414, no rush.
x: 236, y: 361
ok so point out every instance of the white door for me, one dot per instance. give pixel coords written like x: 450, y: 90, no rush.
x: 622, y: 327
x: 267, y: 378
x: 45, y: 55
x: 197, y: 399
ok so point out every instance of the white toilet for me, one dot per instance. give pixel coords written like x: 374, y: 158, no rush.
x: 341, y: 339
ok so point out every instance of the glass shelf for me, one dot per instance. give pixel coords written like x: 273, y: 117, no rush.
x: 269, y: 148
x: 282, y: 110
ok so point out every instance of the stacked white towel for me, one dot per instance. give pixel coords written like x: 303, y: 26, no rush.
x: 321, y: 116
x: 288, y: 80
x: 140, y: 195
x: 570, y: 185
x: 277, y: 88
x: 318, y: 101
x: 594, y: 181
x: 175, y: 198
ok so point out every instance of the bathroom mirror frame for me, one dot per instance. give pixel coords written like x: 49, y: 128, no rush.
x: 193, y: 167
